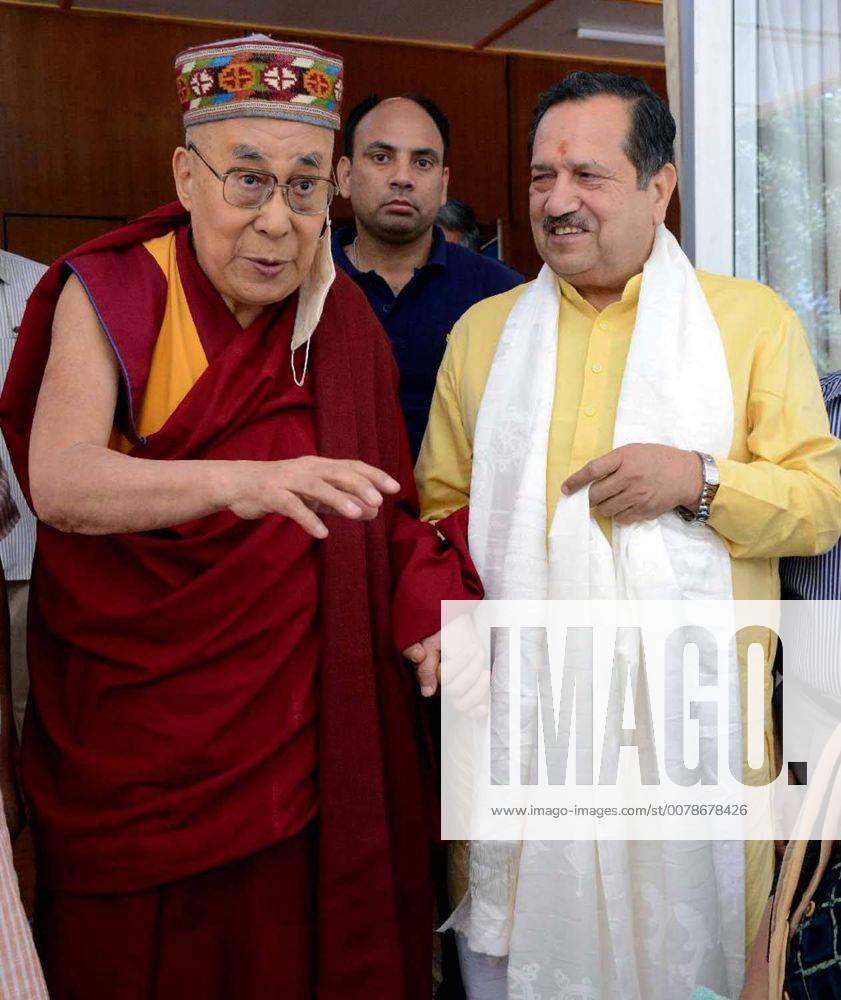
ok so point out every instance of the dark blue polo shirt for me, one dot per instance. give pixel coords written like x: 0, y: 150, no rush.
x: 419, y: 319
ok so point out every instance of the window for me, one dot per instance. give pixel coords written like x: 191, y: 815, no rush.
x: 787, y: 158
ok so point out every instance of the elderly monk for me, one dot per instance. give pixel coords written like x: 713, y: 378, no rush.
x: 222, y: 756
x: 683, y: 409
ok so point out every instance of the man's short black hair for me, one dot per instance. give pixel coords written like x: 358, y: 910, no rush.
x: 358, y: 112
x: 650, y: 144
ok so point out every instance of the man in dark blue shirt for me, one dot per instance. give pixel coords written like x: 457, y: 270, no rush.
x: 394, y: 172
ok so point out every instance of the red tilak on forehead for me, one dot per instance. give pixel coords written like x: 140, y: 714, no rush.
x: 562, y: 147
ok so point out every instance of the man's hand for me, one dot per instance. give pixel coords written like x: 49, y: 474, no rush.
x: 639, y: 482
x: 302, y: 487
x: 466, y: 669
x: 426, y: 656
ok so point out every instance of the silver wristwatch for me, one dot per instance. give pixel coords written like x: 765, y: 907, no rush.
x: 708, y: 492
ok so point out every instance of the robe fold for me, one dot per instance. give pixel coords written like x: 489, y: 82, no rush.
x: 151, y: 750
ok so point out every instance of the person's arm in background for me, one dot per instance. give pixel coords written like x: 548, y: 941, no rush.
x: 9, y: 786
x: 21, y: 970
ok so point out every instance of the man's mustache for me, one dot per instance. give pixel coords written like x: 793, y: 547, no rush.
x: 567, y: 219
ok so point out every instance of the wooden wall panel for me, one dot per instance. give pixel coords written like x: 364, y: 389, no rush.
x: 45, y: 237
x: 96, y: 136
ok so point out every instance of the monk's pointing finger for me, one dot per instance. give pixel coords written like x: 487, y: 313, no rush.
x: 353, y: 482
x: 296, y: 510
x: 327, y: 497
x: 382, y: 480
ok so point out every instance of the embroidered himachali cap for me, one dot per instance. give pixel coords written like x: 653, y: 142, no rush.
x: 257, y: 76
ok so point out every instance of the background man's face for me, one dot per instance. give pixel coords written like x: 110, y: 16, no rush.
x: 591, y: 223
x: 253, y: 257
x: 397, y: 181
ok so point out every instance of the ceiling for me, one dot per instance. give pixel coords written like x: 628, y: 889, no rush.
x: 552, y: 29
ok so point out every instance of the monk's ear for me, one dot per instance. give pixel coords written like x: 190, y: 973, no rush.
x: 182, y: 172
x: 343, y: 169
x: 662, y: 186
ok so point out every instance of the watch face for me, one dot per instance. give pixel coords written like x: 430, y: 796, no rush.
x: 711, y: 476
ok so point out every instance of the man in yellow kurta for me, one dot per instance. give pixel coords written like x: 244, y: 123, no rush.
x: 602, y: 175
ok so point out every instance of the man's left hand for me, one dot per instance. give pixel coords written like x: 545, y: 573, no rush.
x: 639, y: 482
x: 426, y: 656
x: 467, y: 675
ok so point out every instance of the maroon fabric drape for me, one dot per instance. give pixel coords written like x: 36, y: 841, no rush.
x: 380, y: 588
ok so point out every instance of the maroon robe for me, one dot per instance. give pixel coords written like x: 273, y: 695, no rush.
x: 129, y: 761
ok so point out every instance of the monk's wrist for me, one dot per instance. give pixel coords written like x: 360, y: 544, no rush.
x: 224, y: 482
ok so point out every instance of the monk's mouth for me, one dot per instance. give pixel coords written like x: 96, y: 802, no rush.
x: 267, y: 267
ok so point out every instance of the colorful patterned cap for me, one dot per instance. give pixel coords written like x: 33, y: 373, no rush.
x: 257, y: 76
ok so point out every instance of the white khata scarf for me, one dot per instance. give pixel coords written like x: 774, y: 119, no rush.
x: 637, y: 920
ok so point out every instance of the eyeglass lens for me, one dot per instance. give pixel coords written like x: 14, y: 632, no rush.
x: 304, y: 195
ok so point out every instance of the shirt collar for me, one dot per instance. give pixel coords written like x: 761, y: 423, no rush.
x: 347, y: 234
x: 630, y: 295
x: 5, y: 270
x: 344, y: 236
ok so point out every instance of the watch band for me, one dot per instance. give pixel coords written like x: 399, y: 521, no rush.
x: 708, y: 491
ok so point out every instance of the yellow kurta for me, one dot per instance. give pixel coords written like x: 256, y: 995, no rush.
x: 780, y: 492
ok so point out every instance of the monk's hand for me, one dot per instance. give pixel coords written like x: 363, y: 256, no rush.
x: 639, y: 482
x: 303, y: 488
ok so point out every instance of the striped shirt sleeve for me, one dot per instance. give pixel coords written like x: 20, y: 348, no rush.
x: 8, y: 509
x: 18, y: 277
x: 818, y: 578
x: 21, y: 977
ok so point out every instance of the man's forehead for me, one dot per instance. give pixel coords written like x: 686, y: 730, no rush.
x: 597, y: 123
x: 401, y: 123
